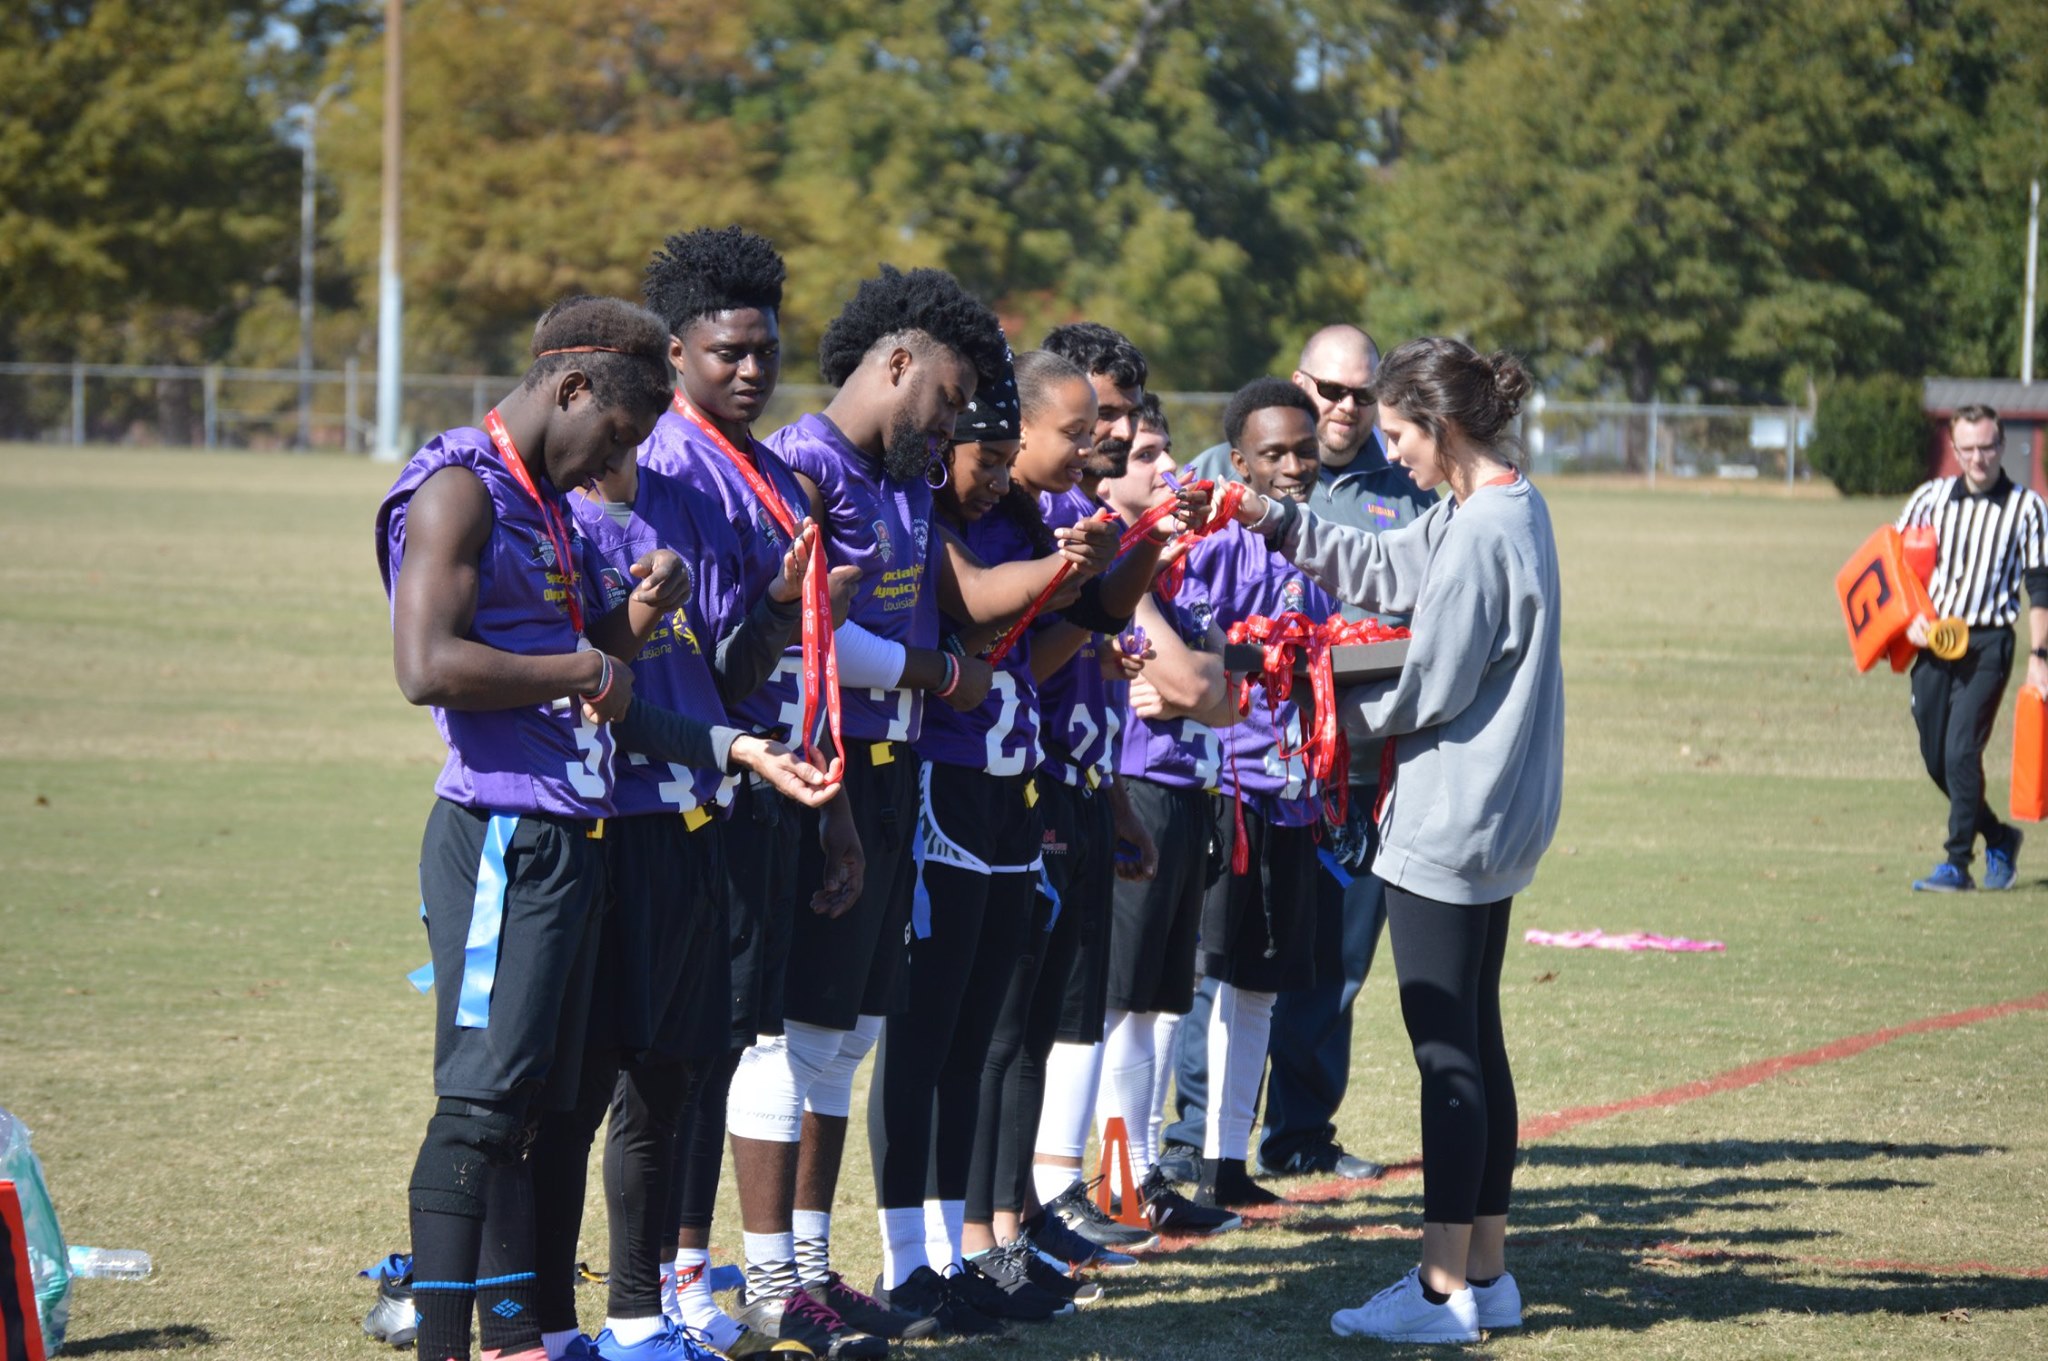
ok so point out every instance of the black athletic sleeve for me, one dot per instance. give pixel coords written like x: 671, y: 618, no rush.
x: 745, y: 658
x: 669, y: 736
x: 1088, y: 611
x: 2037, y: 586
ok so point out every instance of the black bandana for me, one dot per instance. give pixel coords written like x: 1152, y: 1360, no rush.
x: 994, y: 414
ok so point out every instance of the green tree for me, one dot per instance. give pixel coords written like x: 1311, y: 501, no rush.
x: 144, y: 193
x: 1671, y: 194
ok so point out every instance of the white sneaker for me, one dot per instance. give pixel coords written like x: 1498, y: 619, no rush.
x: 1500, y: 1304
x: 1400, y: 1313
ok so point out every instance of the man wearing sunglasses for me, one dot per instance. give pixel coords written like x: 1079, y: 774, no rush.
x: 1310, y: 1045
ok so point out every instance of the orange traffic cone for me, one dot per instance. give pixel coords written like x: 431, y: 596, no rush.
x: 1116, y: 1163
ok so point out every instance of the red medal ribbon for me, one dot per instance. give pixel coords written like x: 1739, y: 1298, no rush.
x: 1124, y: 544
x: 821, y: 656
x: 1171, y: 575
x: 550, y: 517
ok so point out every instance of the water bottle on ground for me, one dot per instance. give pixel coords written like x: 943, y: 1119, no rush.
x: 120, y: 1264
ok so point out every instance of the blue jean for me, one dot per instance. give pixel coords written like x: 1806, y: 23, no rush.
x: 1310, y: 1050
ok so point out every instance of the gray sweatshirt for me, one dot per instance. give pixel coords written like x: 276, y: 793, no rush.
x: 1477, y: 713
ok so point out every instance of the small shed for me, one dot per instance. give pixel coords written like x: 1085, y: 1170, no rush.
x: 2022, y: 407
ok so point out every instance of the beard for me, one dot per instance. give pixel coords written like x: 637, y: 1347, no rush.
x: 1109, y: 458
x: 908, y: 452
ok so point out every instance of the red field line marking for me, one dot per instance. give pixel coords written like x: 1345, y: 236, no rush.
x: 1749, y: 1075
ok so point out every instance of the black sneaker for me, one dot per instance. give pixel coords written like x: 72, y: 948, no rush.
x: 1225, y: 1184
x: 928, y: 1295
x: 1171, y: 1212
x: 800, y: 1318
x: 1049, y: 1234
x: 1047, y: 1275
x: 1329, y: 1160
x: 1180, y: 1163
x: 1079, y: 1212
x: 1000, y: 1277
x: 869, y: 1314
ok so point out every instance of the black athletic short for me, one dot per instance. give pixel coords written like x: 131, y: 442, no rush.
x: 843, y: 968
x: 989, y: 820
x: 1080, y: 863
x: 510, y: 1010
x: 1259, y: 928
x: 663, y: 953
x: 1153, y: 923
x: 761, y: 875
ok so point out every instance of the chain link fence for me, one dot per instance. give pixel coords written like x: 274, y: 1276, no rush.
x: 333, y: 409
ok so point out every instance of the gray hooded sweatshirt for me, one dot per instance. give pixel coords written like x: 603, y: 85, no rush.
x: 1477, y: 713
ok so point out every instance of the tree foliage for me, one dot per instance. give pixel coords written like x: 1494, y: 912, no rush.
x: 1870, y: 436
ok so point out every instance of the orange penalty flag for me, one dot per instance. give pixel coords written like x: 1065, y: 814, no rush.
x: 1881, y: 594
x: 2030, y: 757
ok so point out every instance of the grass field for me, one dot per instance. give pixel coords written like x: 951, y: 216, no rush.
x: 210, y: 802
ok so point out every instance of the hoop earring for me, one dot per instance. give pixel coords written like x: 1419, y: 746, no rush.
x: 935, y: 474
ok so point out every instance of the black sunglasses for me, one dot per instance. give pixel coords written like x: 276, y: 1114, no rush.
x: 1334, y: 393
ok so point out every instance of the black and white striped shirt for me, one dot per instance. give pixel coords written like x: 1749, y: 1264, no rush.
x: 1988, y: 544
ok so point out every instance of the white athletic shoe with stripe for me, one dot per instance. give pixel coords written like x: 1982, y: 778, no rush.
x: 1400, y: 1313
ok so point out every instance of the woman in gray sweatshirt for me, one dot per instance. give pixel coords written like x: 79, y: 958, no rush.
x: 1475, y: 723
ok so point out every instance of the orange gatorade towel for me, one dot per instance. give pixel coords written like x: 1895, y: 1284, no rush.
x: 21, y: 1332
x: 1881, y: 594
x: 2030, y: 757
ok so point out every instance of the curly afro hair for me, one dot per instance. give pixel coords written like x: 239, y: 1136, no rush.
x: 701, y: 273
x: 623, y: 349
x: 928, y: 302
x: 1258, y: 395
x: 1099, y: 349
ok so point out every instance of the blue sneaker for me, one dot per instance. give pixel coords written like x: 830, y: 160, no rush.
x: 670, y: 1344
x: 2001, y: 866
x: 1946, y: 878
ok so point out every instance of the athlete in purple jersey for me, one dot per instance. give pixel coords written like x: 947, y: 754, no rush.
x: 1258, y: 928
x: 907, y: 353
x: 720, y: 291
x: 468, y: 540
x: 660, y: 1019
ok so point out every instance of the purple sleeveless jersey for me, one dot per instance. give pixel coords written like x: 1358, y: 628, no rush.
x: 999, y: 735
x: 679, y: 448
x: 545, y: 758
x: 1174, y: 751
x: 673, y: 669
x: 1082, y: 712
x: 883, y: 527
x: 1231, y: 576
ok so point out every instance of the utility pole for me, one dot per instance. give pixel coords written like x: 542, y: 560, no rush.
x: 309, y: 166
x: 390, y: 289
x: 2033, y: 252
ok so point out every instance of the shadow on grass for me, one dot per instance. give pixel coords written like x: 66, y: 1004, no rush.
x: 1606, y: 1254
x: 152, y: 1341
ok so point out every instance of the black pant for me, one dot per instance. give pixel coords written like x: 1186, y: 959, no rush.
x: 1448, y: 958
x: 1954, y: 706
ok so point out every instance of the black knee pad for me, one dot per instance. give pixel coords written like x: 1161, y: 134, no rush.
x: 465, y: 1139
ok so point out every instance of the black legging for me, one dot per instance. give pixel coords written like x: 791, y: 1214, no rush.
x: 1448, y: 960
x: 644, y: 1100
x: 1013, y: 1074
x: 924, y: 1096
x: 700, y: 1152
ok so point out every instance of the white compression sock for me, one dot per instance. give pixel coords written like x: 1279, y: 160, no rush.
x: 902, y: 1244
x: 1165, y: 1027
x: 771, y: 1264
x: 1238, y: 1029
x: 1071, y: 1074
x: 632, y: 1331
x: 813, y: 1232
x: 942, y: 1224
x: 1127, y: 1063
x: 776, y: 1073
x: 694, y: 1300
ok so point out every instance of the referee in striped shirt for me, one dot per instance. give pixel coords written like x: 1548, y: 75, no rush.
x: 1992, y: 535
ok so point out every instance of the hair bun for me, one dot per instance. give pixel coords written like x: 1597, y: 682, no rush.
x: 1511, y: 382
